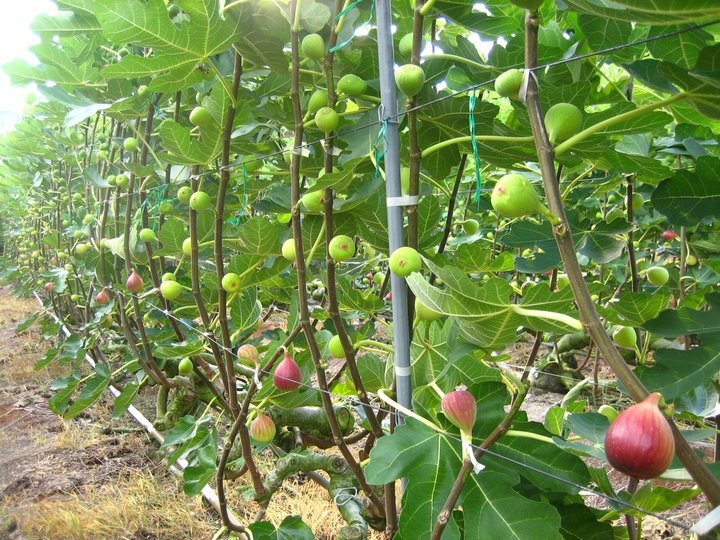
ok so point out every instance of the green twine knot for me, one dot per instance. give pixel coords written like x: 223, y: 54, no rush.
x: 346, y: 10
x: 476, y: 155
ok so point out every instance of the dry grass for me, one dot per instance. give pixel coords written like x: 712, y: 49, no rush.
x: 140, y: 505
x: 305, y: 499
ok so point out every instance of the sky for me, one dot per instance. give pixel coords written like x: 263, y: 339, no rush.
x: 15, y: 38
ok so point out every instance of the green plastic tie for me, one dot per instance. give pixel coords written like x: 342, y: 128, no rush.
x: 238, y: 218
x: 346, y: 10
x: 377, y: 152
x: 476, y: 155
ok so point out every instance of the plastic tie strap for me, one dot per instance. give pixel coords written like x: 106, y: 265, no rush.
x: 345, y: 495
x: 343, y: 13
x: 476, y: 154
x: 256, y: 378
x: 467, y: 450
x: 405, y: 200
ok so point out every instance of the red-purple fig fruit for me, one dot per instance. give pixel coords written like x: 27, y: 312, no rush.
x: 287, y: 374
x: 262, y: 428
x: 102, y: 297
x: 49, y: 286
x: 460, y: 408
x: 640, y: 442
x: 134, y: 283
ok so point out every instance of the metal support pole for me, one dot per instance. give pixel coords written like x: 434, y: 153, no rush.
x: 401, y: 324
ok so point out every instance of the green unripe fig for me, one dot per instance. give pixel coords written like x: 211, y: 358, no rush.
x: 168, y: 276
x: 341, y: 247
x: 131, y: 144
x: 288, y: 249
x: 313, y: 47
x: 327, y: 119
x: 514, y: 197
x: 185, y: 367
x: 405, y: 180
x: 184, y: 194
x: 405, y: 45
x: 335, y: 347
x: 112, y: 180
x: 231, y: 282
x: 88, y: 219
x: 404, y: 261
x: 625, y: 336
x: 102, y: 155
x: 351, y: 85
x: 82, y: 249
x: 187, y: 247
x: 143, y: 90
x: 200, y: 201
x: 562, y: 281
x: 657, y: 275
x: 425, y: 313
x: 508, y: 84
x: 532, y: 5
x: 314, y: 201
x: 690, y: 260
x: 409, y: 79
x: 165, y: 207
x: 471, y: 226
x: 201, y: 117
x: 562, y: 121
x: 609, y: 412
x: 148, y: 235
x: 317, y: 101
x: 637, y: 201
x: 77, y: 197
x: 122, y: 180
x: 378, y: 279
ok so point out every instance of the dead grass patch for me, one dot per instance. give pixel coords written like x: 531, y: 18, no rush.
x: 139, y: 505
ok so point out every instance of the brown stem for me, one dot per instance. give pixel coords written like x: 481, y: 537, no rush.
x: 197, y: 294
x: 631, y: 236
x: 588, y: 314
x: 218, y: 247
x: 301, y: 268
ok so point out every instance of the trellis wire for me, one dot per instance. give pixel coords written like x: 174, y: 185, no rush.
x: 448, y: 435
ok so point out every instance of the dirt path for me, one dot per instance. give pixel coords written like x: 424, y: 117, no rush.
x: 87, y: 478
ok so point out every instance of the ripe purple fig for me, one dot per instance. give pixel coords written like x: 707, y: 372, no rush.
x: 102, y: 297
x: 262, y: 428
x: 640, y: 442
x: 134, y: 282
x: 460, y: 408
x: 287, y: 374
x: 248, y: 354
